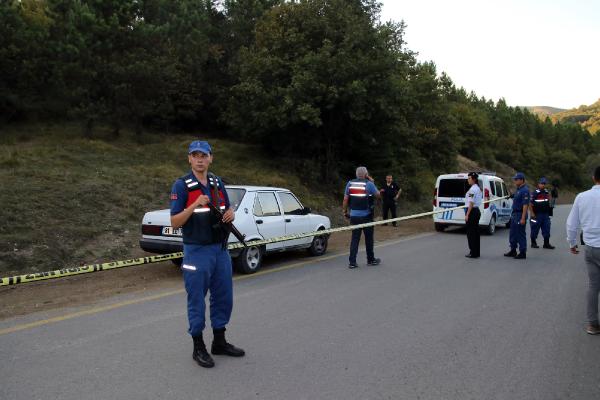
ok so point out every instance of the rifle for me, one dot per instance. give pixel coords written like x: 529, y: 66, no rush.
x: 228, y: 226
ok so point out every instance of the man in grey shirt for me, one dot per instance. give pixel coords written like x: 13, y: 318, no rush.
x: 585, y: 215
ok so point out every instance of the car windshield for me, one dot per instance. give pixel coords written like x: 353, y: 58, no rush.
x: 453, y: 188
x: 235, y: 197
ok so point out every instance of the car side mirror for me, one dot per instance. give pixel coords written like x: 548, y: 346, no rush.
x: 511, y: 196
x: 306, y: 211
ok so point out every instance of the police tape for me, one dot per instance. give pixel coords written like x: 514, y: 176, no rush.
x: 85, y: 269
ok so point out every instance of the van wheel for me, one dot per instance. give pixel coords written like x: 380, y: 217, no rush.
x: 491, y: 228
x: 250, y: 259
x: 177, y: 261
x: 439, y: 227
x: 318, y: 246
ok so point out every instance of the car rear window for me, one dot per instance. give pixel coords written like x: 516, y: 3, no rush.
x: 235, y: 197
x: 453, y: 188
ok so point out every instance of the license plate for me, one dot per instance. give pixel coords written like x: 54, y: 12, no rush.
x: 169, y: 231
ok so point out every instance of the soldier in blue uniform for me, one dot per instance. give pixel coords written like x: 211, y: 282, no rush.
x: 359, y: 197
x: 206, y: 261
x: 518, y: 219
x: 540, y: 214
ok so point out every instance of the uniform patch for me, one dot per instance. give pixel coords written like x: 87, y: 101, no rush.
x: 173, y: 196
x: 471, y: 194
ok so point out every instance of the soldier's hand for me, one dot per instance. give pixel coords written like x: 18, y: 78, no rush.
x: 523, y: 221
x: 228, y: 216
x: 202, y: 200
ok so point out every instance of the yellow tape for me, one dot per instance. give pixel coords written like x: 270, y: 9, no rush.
x: 85, y: 269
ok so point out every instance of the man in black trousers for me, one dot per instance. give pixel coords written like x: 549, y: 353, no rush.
x: 389, y: 195
x: 473, y: 200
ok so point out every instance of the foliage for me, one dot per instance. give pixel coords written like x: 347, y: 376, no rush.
x: 323, y: 85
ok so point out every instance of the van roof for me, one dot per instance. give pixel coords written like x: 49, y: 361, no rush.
x: 463, y: 175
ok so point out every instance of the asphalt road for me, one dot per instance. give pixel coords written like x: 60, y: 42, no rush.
x: 426, y: 324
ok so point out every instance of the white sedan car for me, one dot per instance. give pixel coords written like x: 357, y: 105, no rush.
x: 260, y: 213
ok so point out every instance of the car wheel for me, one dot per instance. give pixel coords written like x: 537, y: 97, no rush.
x: 491, y: 228
x: 318, y: 246
x: 250, y: 259
x: 440, y: 227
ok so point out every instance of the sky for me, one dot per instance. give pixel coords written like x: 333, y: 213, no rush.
x: 529, y: 52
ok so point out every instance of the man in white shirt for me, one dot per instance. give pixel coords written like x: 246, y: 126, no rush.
x: 585, y: 215
x: 473, y: 199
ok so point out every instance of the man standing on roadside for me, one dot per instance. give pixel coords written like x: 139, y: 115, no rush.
x: 518, y: 219
x: 359, y: 197
x: 389, y: 195
x: 206, y: 261
x: 540, y: 215
x: 585, y: 215
x: 473, y: 200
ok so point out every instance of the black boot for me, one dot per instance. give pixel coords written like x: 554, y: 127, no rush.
x: 547, y: 244
x: 221, y: 347
x: 534, y: 244
x: 521, y: 256
x: 200, y: 354
x: 511, y: 253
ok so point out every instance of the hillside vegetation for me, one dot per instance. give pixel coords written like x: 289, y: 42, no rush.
x: 69, y: 200
x: 586, y: 116
x: 544, y: 111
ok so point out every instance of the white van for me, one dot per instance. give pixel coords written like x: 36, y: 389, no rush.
x: 450, y: 190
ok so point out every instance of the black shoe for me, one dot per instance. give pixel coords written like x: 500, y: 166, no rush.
x: 221, y: 347
x: 353, y: 265
x: 534, y: 245
x: 226, y: 349
x: 375, y: 261
x: 511, y: 253
x: 547, y: 245
x: 200, y: 355
x: 471, y: 256
x: 393, y: 223
x: 521, y: 256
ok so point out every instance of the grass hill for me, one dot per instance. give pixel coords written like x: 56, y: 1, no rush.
x: 587, y: 116
x: 69, y: 200
x: 544, y: 111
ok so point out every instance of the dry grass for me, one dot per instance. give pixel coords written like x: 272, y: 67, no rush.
x: 69, y: 200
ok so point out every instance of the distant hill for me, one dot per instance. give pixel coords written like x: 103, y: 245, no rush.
x: 544, y: 111
x: 587, y: 116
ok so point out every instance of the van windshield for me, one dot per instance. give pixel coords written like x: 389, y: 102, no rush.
x: 453, y: 188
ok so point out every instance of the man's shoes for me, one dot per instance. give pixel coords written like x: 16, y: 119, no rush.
x: 200, y: 355
x: 471, y: 256
x: 534, y: 245
x: 547, y: 244
x: 593, y: 329
x: 394, y: 224
x: 222, y: 348
x: 521, y: 256
x: 512, y: 253
x: 375, y: 261
x: 226, y: 349
x: 352, y: 265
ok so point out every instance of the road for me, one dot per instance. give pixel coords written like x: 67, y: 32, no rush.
x: 426, y: 324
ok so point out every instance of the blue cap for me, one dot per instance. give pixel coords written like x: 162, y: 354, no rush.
x: 543, y: 180
x: 199, y: 145
x: 519, y: 175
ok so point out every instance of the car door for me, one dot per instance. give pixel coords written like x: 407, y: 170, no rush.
x: 505, y: 205
x: 269, y: 218
x: 295, y: 221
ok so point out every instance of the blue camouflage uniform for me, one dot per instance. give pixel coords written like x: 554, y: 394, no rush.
x: 540, y: 202
x: 517, y: 235
x: 206, y: 261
